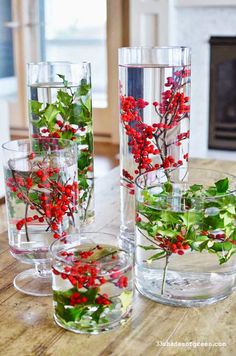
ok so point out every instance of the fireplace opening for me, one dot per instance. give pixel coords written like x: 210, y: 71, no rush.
x: 222, y: 121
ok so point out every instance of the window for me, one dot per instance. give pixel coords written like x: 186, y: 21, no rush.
x: 6, y: 45
x: 77, y: 32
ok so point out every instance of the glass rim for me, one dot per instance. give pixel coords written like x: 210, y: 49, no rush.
x: 29, y: 140
x: 58, y: 62
x: 184, y: 183
x: 77, y: 242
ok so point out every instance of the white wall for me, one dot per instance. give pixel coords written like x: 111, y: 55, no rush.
x: 187, y: 23
x: 193, y: 27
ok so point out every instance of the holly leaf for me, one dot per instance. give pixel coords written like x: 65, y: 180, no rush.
x: 227, y: 256
x: 64, y: 97
x: 97, y: 314
x: 65, y: 82
x: 126, y: 300
x: 170, y: 217
x: 35, y: 106
x: 150, y: 247
x: 51, y: 113
x: 84, y: 160
x: 83, y: 89
x: 91, y: 294
x: 203, y: 245
x: 157, y: 256
x: 195, y: 188
x: 168, y: 187
x: 222, y: 185
x: 191, y: 218
x: 211, y: 191
x: 222, y: 246
x: 33, y: 197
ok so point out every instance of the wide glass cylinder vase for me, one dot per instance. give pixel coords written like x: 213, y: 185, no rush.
x: 154, y: 118
x: 60, y: 106
x: 185, y: 236
x: 92, y: 283
x: 42, y: 204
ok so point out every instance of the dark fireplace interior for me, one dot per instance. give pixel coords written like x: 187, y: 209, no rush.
x: 222, y: 123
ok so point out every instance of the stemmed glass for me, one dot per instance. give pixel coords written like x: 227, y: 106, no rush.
x: 41, y: 199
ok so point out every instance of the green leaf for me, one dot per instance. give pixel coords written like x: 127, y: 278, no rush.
x: 35, y: 106
x: 213, y: 222
x: 33, y: 197
x: 90, y: 294
x: 170, y: 217
x: 126, y: 300
x: 83, y: 89
x: 211, y: 191
x: 191, y: 218
x: 84, y: 160
x: 65, y: 82
x: 150, y: 247
x: 203, y: 245
x: 228, y: 218
x: 222, y: 185
x: 195, y: 188
x: 51, y: 113
x: 64, y: 98
x: 88, y: 103
x: 222, y: 246
x: 157, y: 256
x: 226, y: 257
x: 97, y: 314
x: 168, y: 187
x: 231, y: 209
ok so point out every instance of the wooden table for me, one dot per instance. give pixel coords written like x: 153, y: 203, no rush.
x: 27, y: 326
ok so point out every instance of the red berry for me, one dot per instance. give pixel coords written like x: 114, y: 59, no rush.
x: 39, y: 173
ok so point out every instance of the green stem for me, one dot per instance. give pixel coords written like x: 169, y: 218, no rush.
x: 164, y: 274
x: 88, y: 203
x: 26, y: 226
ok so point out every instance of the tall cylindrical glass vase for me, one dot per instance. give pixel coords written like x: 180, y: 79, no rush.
x: 60, y: 106
x: 154, y: 118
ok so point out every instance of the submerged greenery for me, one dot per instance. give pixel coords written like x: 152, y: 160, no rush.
x: 201, y: 219
x: 70, y: 117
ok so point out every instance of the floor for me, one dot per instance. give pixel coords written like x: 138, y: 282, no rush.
x: 106, y: 158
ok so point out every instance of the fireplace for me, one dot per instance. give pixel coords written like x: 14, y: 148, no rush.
x: 222, y: 121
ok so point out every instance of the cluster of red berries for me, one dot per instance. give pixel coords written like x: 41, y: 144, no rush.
x: 60, y: 128
x: 176, y: 245
x: 52, y: 203
x: 184, y: 73
x: 87, y: 275
x: 76, y: 298
x: 217, y: 236
x: 103, y: 299
x: 147, y: 140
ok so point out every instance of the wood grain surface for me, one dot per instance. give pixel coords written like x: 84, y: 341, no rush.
x: 27, y: 326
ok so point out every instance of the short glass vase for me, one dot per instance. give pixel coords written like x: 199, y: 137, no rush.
x: 92, y: 283
x: 185, y: 236
x: 41, y: 199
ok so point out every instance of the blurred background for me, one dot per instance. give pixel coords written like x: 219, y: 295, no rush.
x: 93, y: 30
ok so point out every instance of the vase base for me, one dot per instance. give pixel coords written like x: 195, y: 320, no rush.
x: 184, y: 289
x: 75, y: 327
x: 31, y: 283
x: 181, y: 303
